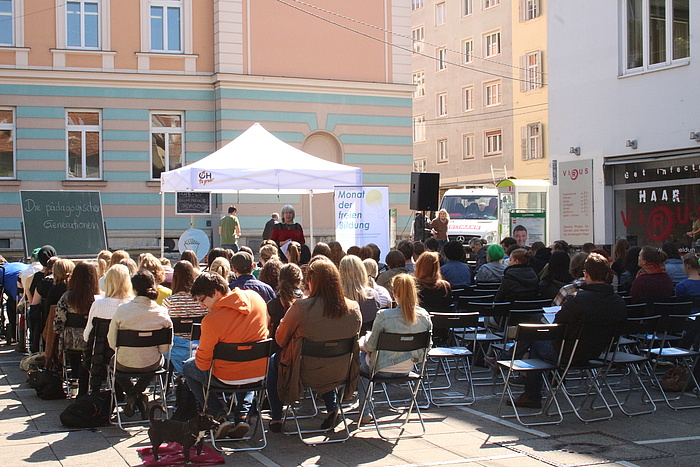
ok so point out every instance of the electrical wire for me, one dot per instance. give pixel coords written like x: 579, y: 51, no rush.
x: 407, y: 37
x: 369, y: 36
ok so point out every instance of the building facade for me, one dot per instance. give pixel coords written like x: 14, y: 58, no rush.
x: 106, y: 95
x: 624, y: 119
x: 480, y: 104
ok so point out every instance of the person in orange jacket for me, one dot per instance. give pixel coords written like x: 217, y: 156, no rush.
x: 235, y: 316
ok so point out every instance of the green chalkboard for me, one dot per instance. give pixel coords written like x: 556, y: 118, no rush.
x: 70, y: 221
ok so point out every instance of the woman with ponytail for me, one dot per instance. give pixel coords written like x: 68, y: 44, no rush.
x: 140, y: 314
x: 406, y: 318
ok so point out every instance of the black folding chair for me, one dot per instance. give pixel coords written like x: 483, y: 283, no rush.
x: 456, y: 356
x: 139, y: 339
x: 686, y: 359
x: 343, y: 351
x: 246, y: 352
x: 392, y: 342
x: 525, y: 334
x: 633, y: 365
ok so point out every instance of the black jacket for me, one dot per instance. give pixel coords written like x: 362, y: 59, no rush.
x: 267, y: 231
x: 519, y: 283
x: 598, y: 306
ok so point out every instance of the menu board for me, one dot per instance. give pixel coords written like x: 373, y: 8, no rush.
x: 576, y: 200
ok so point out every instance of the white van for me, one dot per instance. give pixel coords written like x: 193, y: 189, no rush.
x: 473, y: 213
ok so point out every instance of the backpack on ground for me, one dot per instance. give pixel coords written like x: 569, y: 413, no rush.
x: 88, y: 411
x: 48, y: 384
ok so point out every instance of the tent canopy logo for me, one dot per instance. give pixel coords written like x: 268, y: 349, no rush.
x: 205, y: 177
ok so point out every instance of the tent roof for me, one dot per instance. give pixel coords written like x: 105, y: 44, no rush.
x: 258, y: 162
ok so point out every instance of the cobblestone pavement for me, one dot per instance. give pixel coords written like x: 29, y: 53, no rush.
x: 31, y: 434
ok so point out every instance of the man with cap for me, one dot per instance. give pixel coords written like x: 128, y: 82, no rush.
x: 242, y: 266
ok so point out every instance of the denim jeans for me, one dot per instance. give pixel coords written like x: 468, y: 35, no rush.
x: 533, y: 379
x: 197, y: 380
x: 276, y: 407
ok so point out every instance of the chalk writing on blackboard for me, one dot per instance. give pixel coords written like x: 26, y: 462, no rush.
x: 192, y: 203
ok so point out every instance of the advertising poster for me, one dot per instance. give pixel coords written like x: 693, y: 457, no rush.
x: 528, y: 227
x: 362, y: 216
x: 576, y: 201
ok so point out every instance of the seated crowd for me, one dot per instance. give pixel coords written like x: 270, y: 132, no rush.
x: 321, y: 295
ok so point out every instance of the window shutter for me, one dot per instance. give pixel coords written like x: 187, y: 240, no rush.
x: 540, y: 74
x: 523, y: 143
x: 523, y: 10
x: 540, y: 141
x: 537, y: 8
x: 523, y: 73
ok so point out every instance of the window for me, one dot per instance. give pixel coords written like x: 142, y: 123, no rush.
x: 166, y: 143
x: 468, y: 146
x: 492, y: 93
x: 492, y: 44
x: 441, y: 55
x: 468, y: 50
x: 82, y: 25
x: 416, y: 4
x: 466, y: 7
x: 166, y: 24
x: 6, y: 26
x: 420, y: 165
x: 494, y: 142
x: 7, y: 143
x: 84, y: 133
x: 440, y: 14
x: 491, y: 3
x: 418, y: 36
x: 657, y: 33
x: 442, y: 105
x: 442, y: 155
x: 529, y: 9
x: 419, y: 81
x: 419, y: 128
x: 531, y: 71
x: 531, y: 143
x: 468, y: 94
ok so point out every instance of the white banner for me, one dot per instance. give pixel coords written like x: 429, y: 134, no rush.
x: 362, y: 216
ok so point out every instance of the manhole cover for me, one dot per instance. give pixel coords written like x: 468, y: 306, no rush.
x: 580, y: 449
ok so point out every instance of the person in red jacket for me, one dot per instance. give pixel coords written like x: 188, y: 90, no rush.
x: 234, y: 317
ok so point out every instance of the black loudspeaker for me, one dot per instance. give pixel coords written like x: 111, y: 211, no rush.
x: 425, y: 188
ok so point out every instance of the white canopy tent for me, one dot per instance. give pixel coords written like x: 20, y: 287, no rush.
x: 258, y: 162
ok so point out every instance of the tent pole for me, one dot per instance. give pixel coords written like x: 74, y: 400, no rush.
x: 162, y: 224
x: 311, y: 218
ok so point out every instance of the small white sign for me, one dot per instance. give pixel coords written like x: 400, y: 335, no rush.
x: 195, y: 240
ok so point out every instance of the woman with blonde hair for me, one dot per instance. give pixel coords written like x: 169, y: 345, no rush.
x: 439, y: 227
x: 434, y: 293
x: 406, y: 318
x: 222, y: 267
x: 353, y: 277
x: 62, y: 269
x: 325, y: 315
x: 117, y: 292
x: 152, y: 264
x: 382, y: 293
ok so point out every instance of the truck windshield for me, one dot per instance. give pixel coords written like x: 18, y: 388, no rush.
x: 470, y: 206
